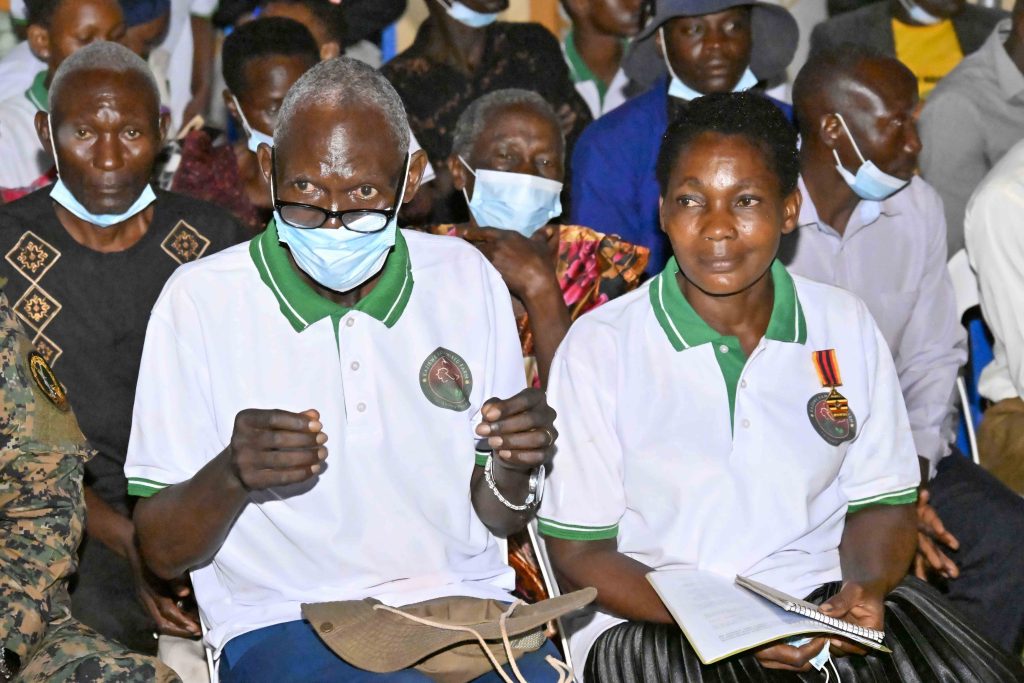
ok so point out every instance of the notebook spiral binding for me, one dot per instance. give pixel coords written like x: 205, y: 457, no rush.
x: 839, y: 624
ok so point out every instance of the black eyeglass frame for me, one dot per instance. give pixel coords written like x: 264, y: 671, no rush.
x: 387, y: 214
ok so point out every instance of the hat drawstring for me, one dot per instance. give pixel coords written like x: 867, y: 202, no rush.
x: 565, y: 674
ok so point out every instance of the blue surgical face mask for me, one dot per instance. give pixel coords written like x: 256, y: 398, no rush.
x: 513, y: 201
x: 339, y: 259
x: 870, y: 182
x: 62, y: 195
x: 821, y: 660
x: 464, y: 15
x: 920, y: 15
x: 253, y: 137
x: 680, y: 90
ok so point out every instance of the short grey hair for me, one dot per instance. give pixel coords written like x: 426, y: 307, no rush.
x: 102, y: 56
x: 478, y: 114
x: 341, y: 82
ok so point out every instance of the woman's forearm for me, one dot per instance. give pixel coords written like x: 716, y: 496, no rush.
x: 878, y: 545
x: 621, y: 582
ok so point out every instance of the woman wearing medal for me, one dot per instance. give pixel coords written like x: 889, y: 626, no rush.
x: 730, y: 417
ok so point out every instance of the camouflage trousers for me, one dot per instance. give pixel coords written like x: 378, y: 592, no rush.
x: 71, y: 652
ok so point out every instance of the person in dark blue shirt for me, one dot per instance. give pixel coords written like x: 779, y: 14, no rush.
x: 707, y: 46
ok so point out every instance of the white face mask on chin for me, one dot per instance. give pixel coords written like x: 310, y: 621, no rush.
x: 680, y: 90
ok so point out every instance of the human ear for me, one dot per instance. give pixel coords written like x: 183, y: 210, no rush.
x: 417, y: 164
x: 42, y: 125
x: 229, y: 104
x: 265, y: 160
x: 165, y: 125
x: 459, y: 173
x: 830, y: 130
x: 791, y: 211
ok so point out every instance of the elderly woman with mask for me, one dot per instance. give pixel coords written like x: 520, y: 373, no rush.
x: 508, y: 164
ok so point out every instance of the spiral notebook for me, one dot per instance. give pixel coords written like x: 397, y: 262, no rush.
x: 722, y: 617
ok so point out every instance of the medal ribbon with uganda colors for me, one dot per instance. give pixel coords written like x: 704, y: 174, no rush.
x: 828, y: 373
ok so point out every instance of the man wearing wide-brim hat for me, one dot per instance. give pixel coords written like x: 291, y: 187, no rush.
x: 701, y: 46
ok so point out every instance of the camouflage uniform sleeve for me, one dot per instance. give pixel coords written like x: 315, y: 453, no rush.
x: 42, y: 452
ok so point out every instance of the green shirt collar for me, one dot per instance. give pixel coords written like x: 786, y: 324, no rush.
x: 38, y: 94
x: 685, y: 329
x: 578, y: 67
x: 302, y: 306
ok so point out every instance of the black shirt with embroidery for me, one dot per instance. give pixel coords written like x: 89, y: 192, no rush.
x: 86, y: 312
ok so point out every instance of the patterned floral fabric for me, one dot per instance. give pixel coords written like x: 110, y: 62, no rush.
x: 592, y: 268
x: 210, y: 172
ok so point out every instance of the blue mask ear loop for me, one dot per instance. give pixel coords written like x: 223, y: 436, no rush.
x: 468, y: 168
x: 53, y: 142
x: 853, y: 142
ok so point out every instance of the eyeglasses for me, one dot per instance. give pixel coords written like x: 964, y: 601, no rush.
x: 307, y: 216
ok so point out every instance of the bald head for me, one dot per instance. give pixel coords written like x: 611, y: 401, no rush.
x: 119, y: 62
x: 846, y: 78
x: 342, y: 84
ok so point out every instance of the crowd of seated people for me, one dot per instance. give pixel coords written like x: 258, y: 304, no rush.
x: 363, y: 366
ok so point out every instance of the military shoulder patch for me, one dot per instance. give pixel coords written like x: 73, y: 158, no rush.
x: 47, y: 381
x: 824, y: 420
x: 446, y: 380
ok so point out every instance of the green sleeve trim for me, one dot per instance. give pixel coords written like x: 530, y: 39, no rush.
x: 481, y: 458
x: 144, y: 488
x: 573, y: 532
x: 901, y: 497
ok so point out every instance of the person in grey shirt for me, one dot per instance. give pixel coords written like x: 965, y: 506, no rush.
x: 972, y: 118
x: 867, y: 224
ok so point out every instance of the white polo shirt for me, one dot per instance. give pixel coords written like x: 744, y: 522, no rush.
x: 25, y: 162
x: 693, y: 456
x: 399, y: 381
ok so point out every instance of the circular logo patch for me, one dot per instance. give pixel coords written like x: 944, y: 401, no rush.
x: 446, y: 380
x: 47, y: 381
x: 829, y: 428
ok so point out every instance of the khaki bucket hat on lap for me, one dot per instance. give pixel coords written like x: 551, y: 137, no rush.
x: 373, y: 637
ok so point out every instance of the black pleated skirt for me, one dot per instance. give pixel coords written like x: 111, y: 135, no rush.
x: 930, y: 642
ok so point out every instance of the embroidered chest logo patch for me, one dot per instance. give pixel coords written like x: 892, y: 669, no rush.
x: 184, y: 243
x: 446, y: 380
x: 47, y: 381
x: 829, y: 411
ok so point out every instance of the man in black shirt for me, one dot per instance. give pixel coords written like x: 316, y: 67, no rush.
x: 84, y: 262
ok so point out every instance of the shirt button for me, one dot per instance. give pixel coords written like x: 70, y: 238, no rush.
x: 350, y: 322
x: 743, y: 384
x: 361, y: 407
x: 746, y: 424
x: 723, y: 348
x: 355, y: 365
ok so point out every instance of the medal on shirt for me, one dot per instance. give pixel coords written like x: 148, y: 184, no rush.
x: 47, y: 381
x: 829, y: 411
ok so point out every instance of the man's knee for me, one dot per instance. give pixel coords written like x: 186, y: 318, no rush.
x: 74, y: 653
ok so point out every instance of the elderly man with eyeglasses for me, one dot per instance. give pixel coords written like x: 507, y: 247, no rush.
x: 334, y: 322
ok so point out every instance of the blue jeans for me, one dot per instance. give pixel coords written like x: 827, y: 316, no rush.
x: 293, y: 652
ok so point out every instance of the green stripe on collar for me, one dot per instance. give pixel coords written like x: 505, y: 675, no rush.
x: 302, y: 306
x: 38, y: 94
x: 579, y: 69
x: 685, y: 329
